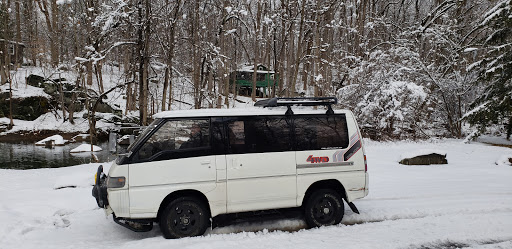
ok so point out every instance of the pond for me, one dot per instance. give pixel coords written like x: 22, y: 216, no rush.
x: 30, y: 156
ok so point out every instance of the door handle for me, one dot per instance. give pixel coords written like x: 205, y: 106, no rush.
x: 206, y: 162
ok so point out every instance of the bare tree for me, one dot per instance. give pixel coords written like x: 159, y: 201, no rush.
x: 51, y: 15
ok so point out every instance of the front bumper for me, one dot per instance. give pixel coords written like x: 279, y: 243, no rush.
x: 99, y: 190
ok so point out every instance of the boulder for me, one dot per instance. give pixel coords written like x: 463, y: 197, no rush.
x: 432, y: 158
x: 35, y: 80
x: 28, y: 108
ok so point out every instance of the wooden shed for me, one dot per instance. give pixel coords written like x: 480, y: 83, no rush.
x: 265, y: 79
x: 15, y: 50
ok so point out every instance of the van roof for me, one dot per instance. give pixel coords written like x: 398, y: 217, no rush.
x: 252, y: 111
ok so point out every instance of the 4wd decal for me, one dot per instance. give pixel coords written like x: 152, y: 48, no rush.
x: 323, y: 159
x: 344, y: 155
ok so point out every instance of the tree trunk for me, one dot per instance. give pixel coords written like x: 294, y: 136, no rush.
x: 99, y: 76
x: 299, y: 50
x: 71, y: 109
x: 166, y: 85
x: 55, y: 33
x: 196, y: 58
x: 88, y: 68
x: 143, y: 41
x: 256, y: 50
x: 18, y: 34
x: 51, y: 23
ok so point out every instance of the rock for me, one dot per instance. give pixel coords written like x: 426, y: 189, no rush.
x: 80, y: 138
x: 25, y: 108
x: 55, y: 140
x: 35, y: 80
x: 428, y: 159
x: 53, y: 88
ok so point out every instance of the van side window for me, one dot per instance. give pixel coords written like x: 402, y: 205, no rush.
x: 317, y: 133
x: 259, y: 134
x: 175, y: 136
x: 219, y: 139
x: 236, y: 133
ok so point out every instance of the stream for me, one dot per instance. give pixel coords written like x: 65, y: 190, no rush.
x: 30, y: 156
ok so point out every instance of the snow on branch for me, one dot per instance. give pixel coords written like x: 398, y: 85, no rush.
x: 475, y: 110
x: 491, y: 14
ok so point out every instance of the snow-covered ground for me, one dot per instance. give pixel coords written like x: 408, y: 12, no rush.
x: 466, y: 203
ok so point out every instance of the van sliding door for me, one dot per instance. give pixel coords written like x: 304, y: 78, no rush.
x: 261, y: 171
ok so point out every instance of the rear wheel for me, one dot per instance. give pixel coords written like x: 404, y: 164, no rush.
x: 184, y: 217
x: 323, y: 208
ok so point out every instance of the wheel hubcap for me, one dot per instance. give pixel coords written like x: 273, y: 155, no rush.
x: 326, y: 210
x: 185, y: 219
x: 323, y: 210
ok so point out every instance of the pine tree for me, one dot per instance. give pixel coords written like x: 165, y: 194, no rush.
x: 494, y: 106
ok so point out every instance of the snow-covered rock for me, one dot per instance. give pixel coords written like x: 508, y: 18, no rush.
x: 57, y: 140
x: 505, y: 160
x: 424, y: 157
x: 86, y: 148
x: 421, y: 152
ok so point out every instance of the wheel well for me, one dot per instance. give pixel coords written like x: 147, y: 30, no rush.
x: 183, y: 193
x: 325, y: 184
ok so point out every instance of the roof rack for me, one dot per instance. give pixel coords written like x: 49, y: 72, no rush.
x: 305, y: 101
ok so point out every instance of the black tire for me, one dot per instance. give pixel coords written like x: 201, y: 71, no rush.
x: 324, y: 207
x: 184, y: 217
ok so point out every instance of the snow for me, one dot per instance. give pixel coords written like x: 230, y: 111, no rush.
x: 49, y: 121
x: 495, y: 11
x: 504, y: 160
x: 250, y: 69
x: 85, y: 148
x: 24, y: 91
x: 500, y: 140
x: 470, y: 50
x: 62, y: 2
x: 231, y: 31
x: 468, y: 204
x: 475, y: 110
x: 57, y: 140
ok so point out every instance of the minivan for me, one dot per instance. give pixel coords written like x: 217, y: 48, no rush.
x: 190, y: 166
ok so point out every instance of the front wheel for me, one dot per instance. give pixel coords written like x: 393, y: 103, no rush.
x: 323, y: 208
x: 184, y: 217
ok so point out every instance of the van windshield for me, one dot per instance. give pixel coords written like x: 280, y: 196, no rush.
x: 122, y: 158
x: 146, y: 131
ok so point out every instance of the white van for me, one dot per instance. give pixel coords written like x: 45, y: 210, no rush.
x: 189, y: 167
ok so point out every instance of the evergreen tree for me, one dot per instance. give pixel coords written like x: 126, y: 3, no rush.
x: 494, y: 105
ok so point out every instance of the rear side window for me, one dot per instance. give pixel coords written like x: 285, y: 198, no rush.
x: 321, y: 132
x: 259, y: 134
x: 176, y: 137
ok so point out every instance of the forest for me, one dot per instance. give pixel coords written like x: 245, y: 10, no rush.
x: 408, y: 69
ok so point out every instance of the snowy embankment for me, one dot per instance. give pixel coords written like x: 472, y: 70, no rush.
x: 466, y: 203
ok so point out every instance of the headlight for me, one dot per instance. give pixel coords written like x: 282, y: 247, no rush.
x: 116, y: 182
